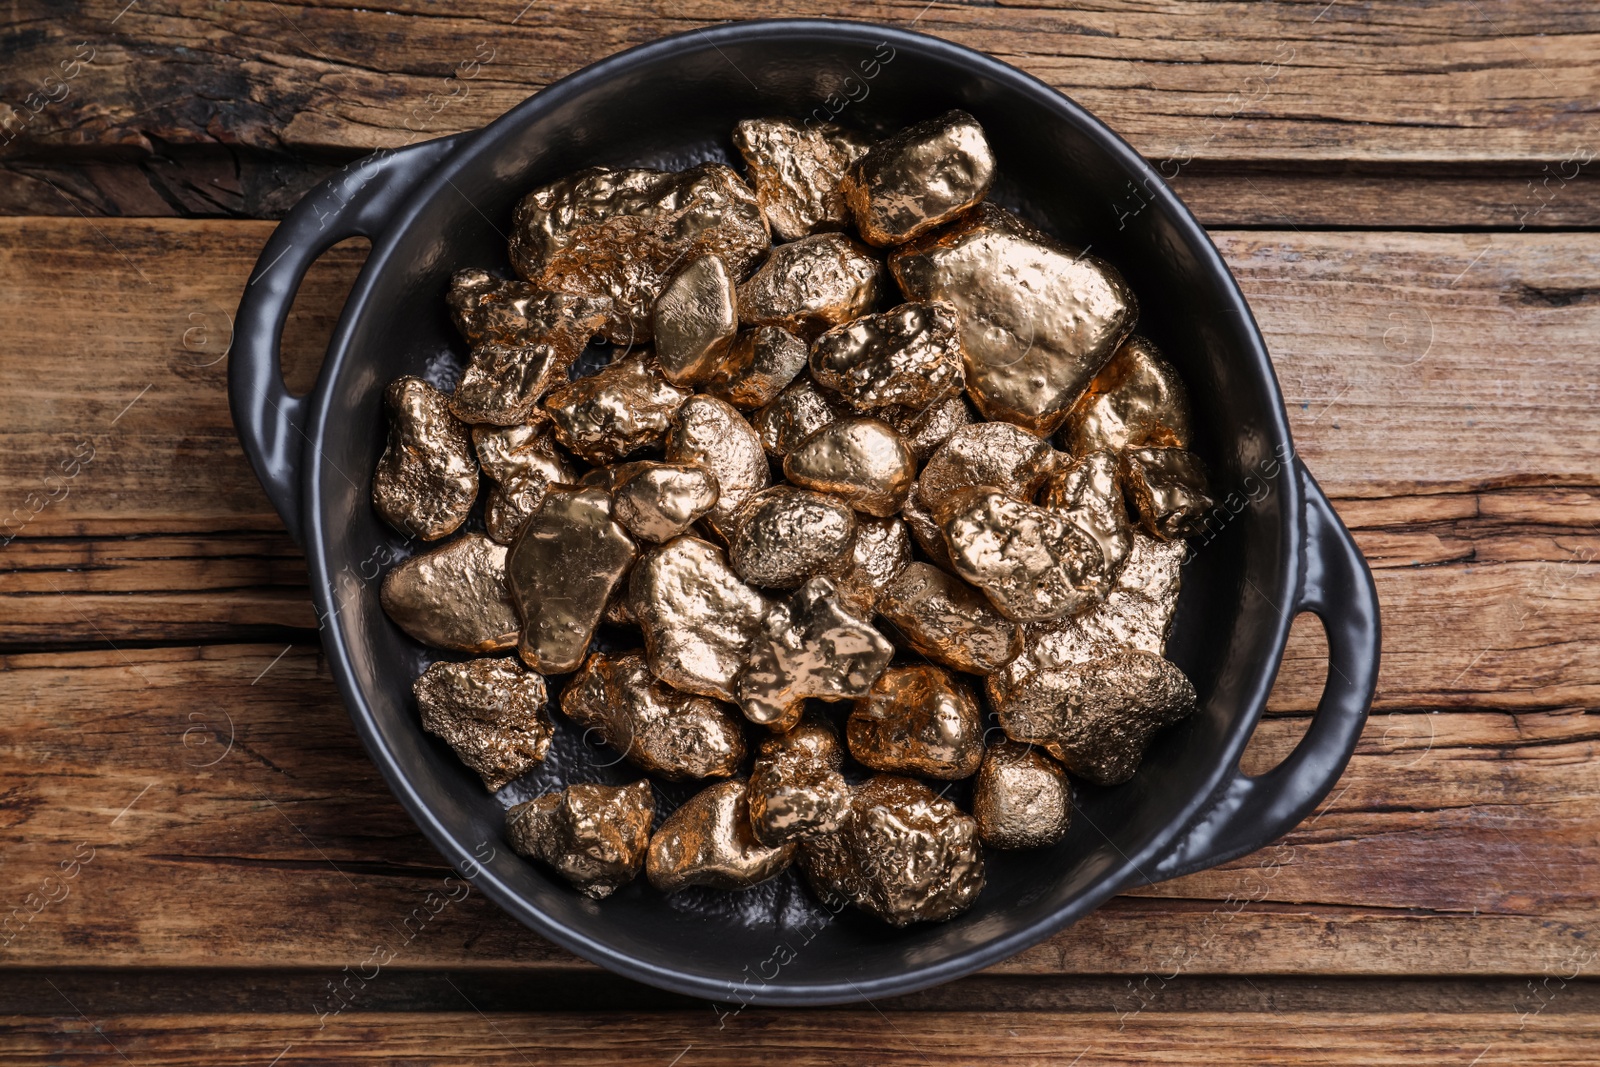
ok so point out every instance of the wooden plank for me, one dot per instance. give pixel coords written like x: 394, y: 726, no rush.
x: 1295, y: 80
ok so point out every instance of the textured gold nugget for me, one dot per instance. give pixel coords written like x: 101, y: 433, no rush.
x: 620, y: 233
x: 811, y: 284
x: 880, y: 551
x: 1031, y: 562
x: 993, y: 454
x: 426, y: 479
x: 521, y: 463
x: 659, y: 501
x: 859, y: 459
x: 661, y: 730
x: 925, y: 429
x: 505, y: 379
x: 625, y: 408
x: 491, y: 711
x: 1021, y: 799
x: 925, y: 528
x: 1037, y: 319
x: 454, y: 597
x: 694, y: 321
x: 711, y: 433
x: 595, y: 836
x: 1086, y: 491
x: 759, y: 364
x: 920, y: 178
x: 490, y: 310
x: 796, y: 170
x: 918, y: 720
x: 698, y: 618
x: 946, y: 619
x: 1136, y: 401
x: 708, y: 841
x: 785, y: 535
x: 562, y: 569
x: 910, y: 355
x: 795, y: 790
x: 1168, y: 490
x: 798, y: 412
x: 902, y: 853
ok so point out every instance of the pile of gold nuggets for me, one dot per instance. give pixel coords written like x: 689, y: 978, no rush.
x: 865, y: 438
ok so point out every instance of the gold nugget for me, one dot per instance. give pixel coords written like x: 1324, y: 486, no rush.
x: 712, y: 434
x: 925, y: 429
x: 490, y: 310
x: 798, y: 412
x: 522, y: 462
x: 993, y: 454
x: 625, y: 408
x: 759, y: 364
x: 918, y: 720
x: 426, y: 479
x: 1136, y: 401
x: 925, y: 528
x: 1168, y: 490
x: 785, y: 535
x: 1021, y: 799
x: 1038, y: 320
x: 694, y: 321
x: 1031, y: 562
x: 566, y: 561
x: 505, y: 379
x: 920, y: 178
x: 796, y: 169
x: 811, y: 284
x: 946, y: 619
x: 910, y: 355
x: 454, y: 597
x: 795, y: 790
x: 862, y: 460
x: 595, y: 836
x: 880, y: 551
x: 708, y: 841
x: 659, y: 501
x: 1087, y: 492
x: 661, y: 730
x: 491, y: 711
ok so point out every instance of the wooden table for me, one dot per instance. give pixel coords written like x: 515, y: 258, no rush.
x: 198, y: 856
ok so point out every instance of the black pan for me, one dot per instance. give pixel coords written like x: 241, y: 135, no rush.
x: 1276, y: 548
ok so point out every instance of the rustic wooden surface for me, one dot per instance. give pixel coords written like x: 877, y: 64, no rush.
x: 1406, y: 193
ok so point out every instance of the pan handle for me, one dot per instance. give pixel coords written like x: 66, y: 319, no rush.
x: 1251, y: 811
x: 358, y: 201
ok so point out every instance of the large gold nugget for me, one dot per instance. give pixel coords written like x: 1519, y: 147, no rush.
x: 490, y: 310
x: 1087, y: 492
x: 920, y: 178
x: 621, y: 233
x: 711, y: 433
x: 809, y: 647
x: 993, y: 454
x: 811, y: 284
x: 522, y: 463
x: 454, y: 597
x: 660, y: 729
x: 1031, y: 562
x: 625, y: 408
x: 1168, y: 490
x: 880, y: 551
x: 1098, y: 718
x: 708, y: 841
x: 566, y: 561
x: 504, y: 380
x: 946, y: 619
x: 1037, y: 319
x: 798, y: 412
x: 795, y: 790
x: 862, y: 460
x: 491, y: 711
x: 925, y: 429
x: 785, y: 535
x: 659, y: 501
x: 426, y: 479
x: 698, y: 618
x: 759, y: 364
x: 694, y: 321
x: 796, y: 169
x: 902, y: 853
x: 1021, y: 799
x: 918, y: 720
x: 595, y: 836
x: 1136, y: 401
x: 910, y: 355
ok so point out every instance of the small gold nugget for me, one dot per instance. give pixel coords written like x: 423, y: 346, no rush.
x: 625, y: 408
x: 918, y: 720
x: 785, y: 535
x: 698, y: 618
x: 694, y: 321
x: 993, y: 454
x: 1168, y: 490
x: 595, y: 836
x: 902, y: 853
x: 946, y: 619
x: 925, y: 528
x: 862, y: 577
x: 454, y: 597
x: 659, y: 501
x: 619, y: 233
x: 1037, y: 319
x: 505, y: 378
x: 1031, y: 562
x: 809, y: 646
x: 566, y: 561
x: 798, y: 412
x: 795, y: 790
x: 491, y: 711
x: 490, y: 310
x: 920, y: 178
x: 859, y: 459
x: 925, y: 429
x: 521, y: 462
x: 1136, y: 401
x: 796, y: 170
x: 708, y: 841
x: 426, y: 479
x: 811, y: 284
x: 661, y: 730
x: 1021, y: 799
x: 910, y: 355
x: 712, y: 434
x: 759, y: 364
x: 1086, y: 491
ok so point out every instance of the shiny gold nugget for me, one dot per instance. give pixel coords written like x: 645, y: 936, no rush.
x: 1021, y: 799
x: 798, y: 412
x: 918, y: 720
x: 661, y: 730
x: 625, y: 408
x: 712, y: 434
x: 809, y: 285
x: 504, y: 381
x: 1136, y: 401
x: 925, y: 429
x: 426, y: 479
x: 490, y: 310
x: 859, y: 459
x: 795, y: 790
x: 659, y: 501
x: 708, y: 841
x: 925, y: 528
x: 454, y: 597
x: 1087, y: 491
x: 796, y: 169
x: 920, y: 178
x: 946, y: 619
x: 694, y: 321
x: 491, y: 711
x: 993, y: 454
x: 759, y: 364
x: 522, y: 462
x: 910, y: 355
x: 1168, y: 490
x: 595, y: 836
x: 784, y: 535
x: 880, y: 551
x: 1031, y: 562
